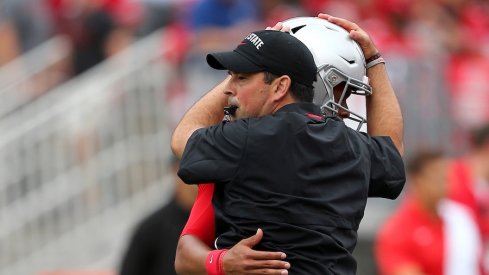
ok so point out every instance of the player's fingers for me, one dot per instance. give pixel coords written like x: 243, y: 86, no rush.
x: 268, y: 271
x: 360, y: 37
x: 267, y: 255
x: 271, y: 264
x: 355, y: 33
x: 345, y: 24
x: 285, y: 29
x: 277, y: 26
x: 267, y: 267
x: 324, y: 16
x: 253, y: 240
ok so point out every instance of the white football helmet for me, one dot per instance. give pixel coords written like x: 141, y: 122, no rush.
x: 338, y: 59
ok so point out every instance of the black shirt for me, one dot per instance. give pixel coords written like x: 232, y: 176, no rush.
x: 304, y: 180
x: 152, y: 247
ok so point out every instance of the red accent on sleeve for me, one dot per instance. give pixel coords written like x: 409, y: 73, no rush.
x: 201, y: 222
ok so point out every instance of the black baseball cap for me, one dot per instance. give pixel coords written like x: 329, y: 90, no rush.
x: 273, y: 51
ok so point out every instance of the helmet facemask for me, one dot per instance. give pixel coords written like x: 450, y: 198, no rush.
x: 328, y: 78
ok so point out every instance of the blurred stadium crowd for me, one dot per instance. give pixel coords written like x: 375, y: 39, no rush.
x: 437, y: 54
x: 453, y: 35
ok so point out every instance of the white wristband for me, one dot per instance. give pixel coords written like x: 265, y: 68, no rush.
x: 375, y: 62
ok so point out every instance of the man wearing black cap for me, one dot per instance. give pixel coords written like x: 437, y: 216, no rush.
x: 268, y: 55
x: 279, y: 165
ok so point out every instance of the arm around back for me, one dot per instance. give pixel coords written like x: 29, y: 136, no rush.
x: 240, y: 259
x: 190, y: 256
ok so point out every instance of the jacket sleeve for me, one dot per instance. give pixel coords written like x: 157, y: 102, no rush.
x: 213, y: 154
x: 387, y: 175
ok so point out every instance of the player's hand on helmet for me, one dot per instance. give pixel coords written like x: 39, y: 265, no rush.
x: 242, y: 259
x: 356, y: 33
x: 279, y: 27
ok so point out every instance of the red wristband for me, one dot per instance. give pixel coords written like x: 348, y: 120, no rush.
x: 214, y: 262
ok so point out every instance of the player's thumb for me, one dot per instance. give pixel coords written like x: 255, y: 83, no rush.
x: 255, y: 239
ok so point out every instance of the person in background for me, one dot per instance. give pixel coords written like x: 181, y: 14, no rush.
x: 151, y: 249
x: 24, y: 24
x: 96, y: 29
x: 469, y: 183
x: 428, y: 234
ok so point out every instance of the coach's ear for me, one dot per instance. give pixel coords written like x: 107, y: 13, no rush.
x: 281, y: 86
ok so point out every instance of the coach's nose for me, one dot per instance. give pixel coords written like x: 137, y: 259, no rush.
x: 229, y: 88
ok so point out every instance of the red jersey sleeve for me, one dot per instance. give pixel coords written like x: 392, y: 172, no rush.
x: 201, y: 220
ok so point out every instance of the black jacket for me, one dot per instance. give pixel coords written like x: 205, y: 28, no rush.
x: 304, y: 180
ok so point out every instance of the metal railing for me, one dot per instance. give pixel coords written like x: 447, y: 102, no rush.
x: 79, y: 165
x: 33, y: 74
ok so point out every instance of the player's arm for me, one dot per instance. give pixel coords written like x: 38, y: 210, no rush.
x: 195, y: 258
x: 383, y: 110
x: 200, y: 223
x: 193, y: 247
x: 190, y: 256
x: 206, y: 112
x: 197, y: 235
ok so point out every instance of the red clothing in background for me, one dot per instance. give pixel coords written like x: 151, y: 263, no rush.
x: 411, y: 237
x: 462, y: 189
